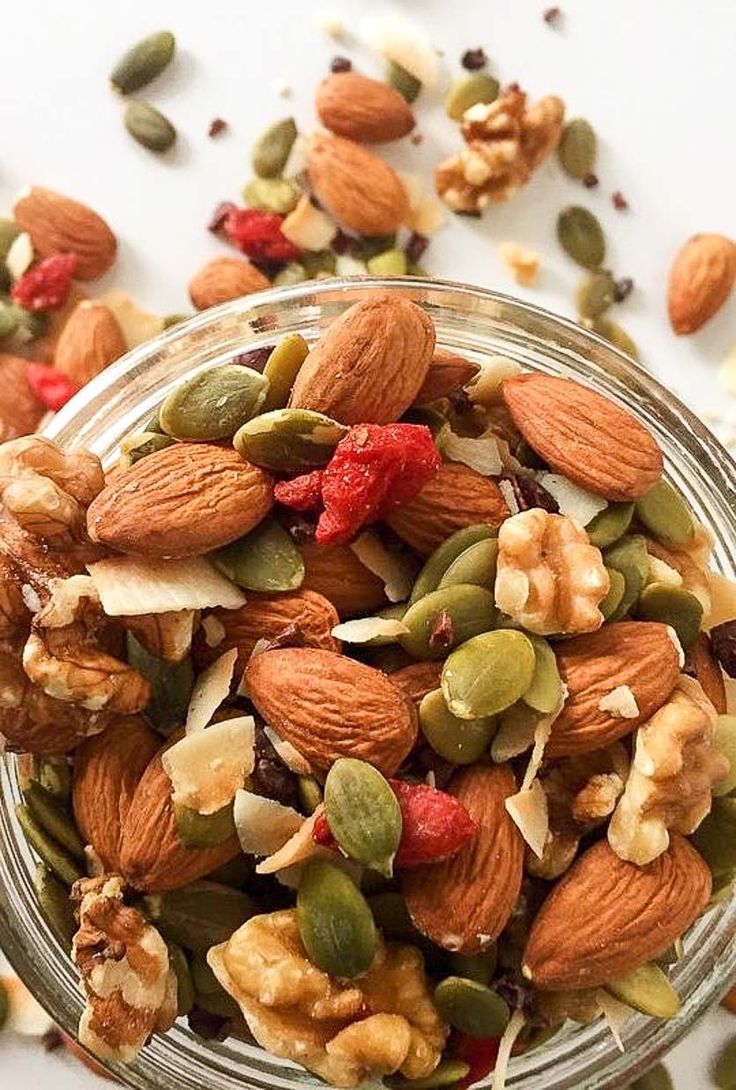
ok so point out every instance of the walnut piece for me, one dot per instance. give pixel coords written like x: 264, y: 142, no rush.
x: 380, y: 1023
x: 674, y: 768
x: 77, y: 473
x: 549, y: 578
x: 505, y: 142
x: 522, y: 263
x: 124, y: 966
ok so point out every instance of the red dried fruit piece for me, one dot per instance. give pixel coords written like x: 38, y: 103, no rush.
x: 322, y: 833
x: 220, y: 214
x: 258, y: 234
x: 52, y: 388
x: 481, y: 1053
x: 302, y: 493
x: 46, y: 285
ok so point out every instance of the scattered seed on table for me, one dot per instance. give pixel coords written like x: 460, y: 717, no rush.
x: 340, y: 64
x: 619, y: 201
x: 473, y: 59
x: 590, y: 180
x: 551, y: 16
x: 623, y: 288
x: 217, y: 125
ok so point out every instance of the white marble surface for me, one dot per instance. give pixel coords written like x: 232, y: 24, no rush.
x: 655, y: 79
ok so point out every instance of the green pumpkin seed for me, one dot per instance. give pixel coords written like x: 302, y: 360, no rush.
x: 289, y: 440
x: 281, y: 369
x: 4, y: 1004
x: 9, y: 232
x: 475, y: 565
x: 293, y: 273
x: 171, y: 320
x: 203, y: 830
x: 515, y: 732
x: 273, y: 148
x: 657, y: 1078
x: 53, y: 900
x: 647, y: 989
x: 199, y: 915
x: 391, y: 916
x: 214, y: 403
x: 143, y: 62
x: 402, y: 81
x: 10, y: 319
x: 611, y: 524
x: 595, y: 293
x: 184, y: 986
x: 628, y: 556
x: 276, y: 195
x: 578, y: 148
x: 488, y: 674
x: 335, y: 921
x: 135, y: 447
x: 478, y: 967
x: 581, y: 236
x: 674, y: 606
x: 310, y: 793
x: 724, y: 1069
x: 389, y: 263
x: 445, y: 618
x: 725, y: 742
x: 171, y: 686
x: 715, y: 838
x: 54, y: 819
x: 611, y: 603
x: 545, y: 692
x: 148, y: 126
x: 448, y: 1073
x: 319, y: 261
x: 471, y: 1007
x: 617, y: 335
x: 265, y: 560
x: 460, y: 741
x: 363, y: 814
x: 469, y: 90
x: 49, y: 852
x: 437, y: 564
x: 665, y: 513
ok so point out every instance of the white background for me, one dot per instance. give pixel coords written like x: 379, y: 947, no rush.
x: 655, y: 79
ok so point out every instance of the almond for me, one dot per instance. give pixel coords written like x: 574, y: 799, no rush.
x: 58, y: 224
x: 456, y: 496
x: 107, y: 770
x: 20, y: 410
x: 606, y: 917
x: 203, y: 496
x: 336, y: 573
x: 363, y: 109
x: 447, y: 374
x: 225, y: 278
x: 264, y: 617
x: 361, y: 191
x: 369, y: 365
x: 708, y: 673
x: 638, y: 654
x: 330, y: 706
x: 701, y: 280
x: 464, y: 903
x: 89, y: 341
x: 584, y: 435
x: 418, y: 679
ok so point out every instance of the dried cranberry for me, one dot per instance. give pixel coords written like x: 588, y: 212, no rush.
x: 270, y: 776
x: 473, y: 59
x: 52, y: 388
x: 303, y: 493
x: 723, y: 645
x: 481, y: 1053
x: 258, y: 234
x: 340, y: 64
x: 220, y: 214
x: 442, y: 633
x: 46, y: 285
x: 415, y: 248
x: 529, y: 493
x: 256, y: 359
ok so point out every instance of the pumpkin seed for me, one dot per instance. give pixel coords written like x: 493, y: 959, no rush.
x: 617, y: 335
x: 9, y: 232
x: 4, y: 1004
x: 49, y: 852
x: 199, y: 915
x: 715, y: 838
x: 647, y: 989
x: 276, y: 195
x: 725, y: 742
x: 319, y: 261
x: 214, y: 403
x: 578, y: 148
x: 143, y: 62
x: 10, y: 318
x: 611, y: 524
x: 273, y: 148
x: 595, y: 293
x: 171, y: 686
x: 616, y: 591
x: 153, y: 424
x: 724, y: 1069
x: 310, y: 793
x: 265, y: 560
x: 184, y: 986
x: 54, y: 819
x: 478, y: 967
x: 148, y: 126
x: 204, y: 830
x: 402, y: 81
x: 467, y: 91
x: 289, y: 440
x: 170, y: 320
x: 460, y: 741
x: 53, y: 900
x: 673, y: 606
x: 388, y: 263
x: 335, y: 921
x: 281, y: 369
x: 446, y: 617
x: 447, y: 1074
x: 629, y: 557
x: 545, y: 691
x: 135, y: 447
x: 581, y: 236
x: 437, y: 564
x: 363, y: 814
x: 515, y: 732
x: 665, y: 513
x: 471, y: 1007
x: 657, y: 1078
x: 391, y: 916
x: 293, y: 273
x: 488, y: 674
x: 475, y: 565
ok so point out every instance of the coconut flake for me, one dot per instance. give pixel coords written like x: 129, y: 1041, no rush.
x: 529, y: 812
x: 93, y: 864
x: 485, y: 387
x: 507, y: 491
x: 26, y: 1016
x: 137, y: 325
x: 575, y: 502
x: 289, y: 754
x: 515, y: 733
x: 129, y: 585
x: 723, y: 595
x: 542, y: 731
x: 391, y: 568
x: 263, y: 825
x: 426, y: 214
x: 365, y: 629
x: 308, y: 227
x: 214, y: 630
x: 208, y: 767
x: 347, y: 265
x: 404, y: 43
x: 512, y: 1031
x: 296, y: 164
x: 19, y: 257
x: 620, y: 702
x: 210, y: 689
x: 481, y: 454
x: 675, y: 639
x: 615, y: 1013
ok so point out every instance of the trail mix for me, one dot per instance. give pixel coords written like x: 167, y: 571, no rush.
x: 373, y: 707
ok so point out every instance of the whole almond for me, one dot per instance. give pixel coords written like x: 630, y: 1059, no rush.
x: 359, y: 190
x: 639, y: 654
x: 203, y: 497
x: 701, y: 280
x: 363, y: 109
x: 20, y: 410
x: 584, y: 436
x: 606, y: 917
x: 456, y: 496
x: 90, y: 340
x: 464, y: 903
x: 447, y: 374
x: 225, y: 278
x: 369, y: 365
x: 58, y: 224
x: 336, y: 573
x: 107, y: 770
x: 329, y: 706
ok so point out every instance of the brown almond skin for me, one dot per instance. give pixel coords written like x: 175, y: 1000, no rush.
x: 225, y: 278
x: 606, y: 916
x: 363, y: 109
x: 708, y: 673
x: 418, y: 679
x: 107, y: 770
x: 583, y: 435
x: 639, y: 654
x: 20, y: 410
x: 701, y: 279
x: 202, y: 496
x: 361, y: 191
x: 58, y: 224
x: 447, y: 374
x: 336, y: 573
x: 465, y: 902
x: 90, y: 341
x: 329, y: 706
x: 369, y: 365
x: 456, y: 496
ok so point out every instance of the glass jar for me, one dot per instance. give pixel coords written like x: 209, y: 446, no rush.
x: 475, y: 323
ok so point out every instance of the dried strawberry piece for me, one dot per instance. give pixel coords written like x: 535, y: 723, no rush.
x: 481, y: 1053
x: 46, y: 285
x: 322, y: 833
x: 303, y: 493
x: 259, y: 235
x: 52, y: 388
x: 220, y: 214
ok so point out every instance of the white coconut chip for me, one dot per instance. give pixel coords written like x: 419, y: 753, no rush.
x: 207, y: 768
x: 210, y: 689
x: 296, y: 164
x: 289, y: 754
x: 542, y: 731
x: 26, y: 1016
x: 675, y: 640
x: 214, y: 630
x: 620, y: 703
x: 515, y: 734
x: 129, y: 585
x: 481, y: 454
x: 347, y: 265
x: 485, y: 387
x: 391, y: 568
x: 308, y: 227
x: 365, y: 629
x: 507, y: 491
x: 723, y: 598
x: 20, y: 255
x: 512, y: 1031
x: 615, y: 1013
x: 263, y: 825
x: 529, y: 812
x: 575, y: 502
x: 297, y: 848
x: 404, y: 43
